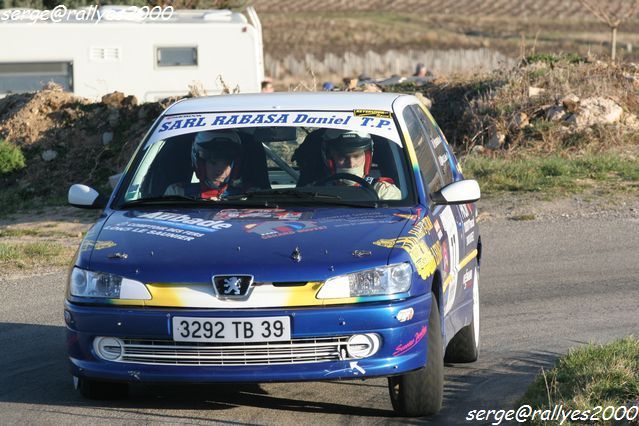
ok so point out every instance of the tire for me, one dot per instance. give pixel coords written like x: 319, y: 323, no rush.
x: 464, y: 347
x: 95, y: 389
x: 420, y: 392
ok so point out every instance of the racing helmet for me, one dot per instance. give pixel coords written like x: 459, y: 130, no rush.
x: 346, y: 142
x: 214, y: 145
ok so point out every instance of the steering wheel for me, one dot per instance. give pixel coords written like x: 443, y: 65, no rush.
x: 365, y: 185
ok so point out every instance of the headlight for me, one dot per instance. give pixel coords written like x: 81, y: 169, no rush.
x: 373, y: 282
x: 98, y: 284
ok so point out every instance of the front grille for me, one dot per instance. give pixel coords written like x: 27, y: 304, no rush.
x: 296, y: 351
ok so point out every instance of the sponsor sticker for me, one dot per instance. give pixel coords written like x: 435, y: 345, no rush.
x: 443, y: 159
x: 377, y: 122
x: 372, y: 113
x: 406, y: 216
x: 470, y: 238
x: 466, y: 210
x: 274, y: 229
x: 445, y: 257
x: 279, y: 214
x: 359, y: 219
x: 467, y: 279
x: 184, y: 219
x: 438, y: 229
x: 425, y: 258
x: 469, y: 225
x: 96, y: 245
x: 154, y: 229
x: 405, y: 347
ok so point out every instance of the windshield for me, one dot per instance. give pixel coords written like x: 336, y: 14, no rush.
x: 316, y: 157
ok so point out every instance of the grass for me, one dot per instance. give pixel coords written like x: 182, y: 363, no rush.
x: 34, y: 232
x: 13, y: 200
x: 553, y: 174
x: 552, y: 58
x: 31, y: 255
x: 14, y: 233
x: 589, y: 376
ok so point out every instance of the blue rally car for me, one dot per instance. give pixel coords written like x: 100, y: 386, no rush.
x: 280, y: 237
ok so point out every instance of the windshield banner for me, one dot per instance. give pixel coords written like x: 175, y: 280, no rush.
x: 174, y: 125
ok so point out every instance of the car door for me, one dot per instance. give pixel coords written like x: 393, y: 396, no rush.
x: 465, y: 214
x: 439, y: 169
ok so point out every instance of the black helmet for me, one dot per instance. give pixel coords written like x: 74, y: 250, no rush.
x: 346, y: 142
x: 214, y: 145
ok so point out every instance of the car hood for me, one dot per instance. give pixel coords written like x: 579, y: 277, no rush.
x: 273, y: 245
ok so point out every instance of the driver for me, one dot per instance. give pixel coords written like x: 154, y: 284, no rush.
x: 351, y: 152
x: 215, y: 158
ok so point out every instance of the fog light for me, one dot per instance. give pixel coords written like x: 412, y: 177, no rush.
x: 362, y: 345
x: 108, y: 348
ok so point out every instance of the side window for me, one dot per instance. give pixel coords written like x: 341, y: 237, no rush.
x: 176, y: 56
x: 439, y: 145
x: 430, y: 173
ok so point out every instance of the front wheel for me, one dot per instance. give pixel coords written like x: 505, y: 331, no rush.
x: 420, y: 392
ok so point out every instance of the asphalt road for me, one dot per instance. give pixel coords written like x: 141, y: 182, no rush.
x: 546, y: 286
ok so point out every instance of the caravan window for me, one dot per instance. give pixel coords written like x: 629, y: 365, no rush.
x: 176, y: 56
x: 33, y: 76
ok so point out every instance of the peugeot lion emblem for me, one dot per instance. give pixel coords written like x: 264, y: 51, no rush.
x: 232, y: 286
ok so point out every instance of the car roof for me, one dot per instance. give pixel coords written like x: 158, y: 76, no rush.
x: 286, y: 101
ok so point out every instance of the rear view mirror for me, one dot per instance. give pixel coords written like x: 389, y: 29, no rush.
x: 460, y: 192
x: 85, y: 197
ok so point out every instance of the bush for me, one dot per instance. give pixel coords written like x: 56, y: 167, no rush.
x: 11, y: 158
x: 551, y: 58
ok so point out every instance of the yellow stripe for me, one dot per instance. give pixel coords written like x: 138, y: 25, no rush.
x: 467, y: 259
x: 202, y: 295
x: 464, y: 262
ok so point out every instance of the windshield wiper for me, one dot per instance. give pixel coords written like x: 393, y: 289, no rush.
x: 165, y: 199
x: 295, y: 194
x: 183, y: 199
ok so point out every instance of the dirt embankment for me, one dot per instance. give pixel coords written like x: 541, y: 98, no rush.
x: 66, y: 139
x: 549, y: 106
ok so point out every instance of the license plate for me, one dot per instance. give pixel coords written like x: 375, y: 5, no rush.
x: 264, y: 329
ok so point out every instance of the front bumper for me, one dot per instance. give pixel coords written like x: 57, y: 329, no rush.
x: 403, y: 345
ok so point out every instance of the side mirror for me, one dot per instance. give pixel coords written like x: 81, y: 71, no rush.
x: 85, y: 197
x: 460, y: 192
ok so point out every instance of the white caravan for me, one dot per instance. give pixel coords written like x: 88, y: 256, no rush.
x: 148, y: 58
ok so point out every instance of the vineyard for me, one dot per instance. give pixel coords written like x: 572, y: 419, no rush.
x: 524, y: 9
x: 307, y: 36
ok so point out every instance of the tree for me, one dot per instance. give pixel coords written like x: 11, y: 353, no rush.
x: 612, y: 14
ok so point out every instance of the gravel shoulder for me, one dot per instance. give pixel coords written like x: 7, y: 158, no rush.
x: 532, y: 206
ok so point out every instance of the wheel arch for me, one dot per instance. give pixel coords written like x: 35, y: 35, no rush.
x: 437, y: 290
x: 436, y: 287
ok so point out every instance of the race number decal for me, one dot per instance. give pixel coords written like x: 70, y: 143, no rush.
x: 450, y: 227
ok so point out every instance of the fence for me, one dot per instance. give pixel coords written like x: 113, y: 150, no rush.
x: 439, y: 62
